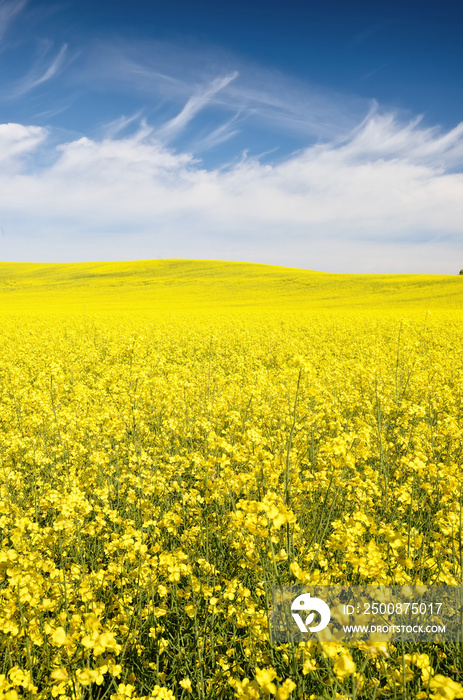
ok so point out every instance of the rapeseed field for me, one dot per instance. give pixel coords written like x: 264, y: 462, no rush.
x: 178, y: 436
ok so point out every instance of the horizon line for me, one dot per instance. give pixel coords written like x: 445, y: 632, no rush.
x: 229, y: 262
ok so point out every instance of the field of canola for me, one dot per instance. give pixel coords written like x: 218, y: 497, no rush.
x: 159, y: 472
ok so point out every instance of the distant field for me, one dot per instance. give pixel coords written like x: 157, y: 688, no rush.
x: 179, y: 285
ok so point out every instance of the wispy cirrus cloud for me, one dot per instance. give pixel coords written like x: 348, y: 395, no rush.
x: 9, y: 10
x: 195, y: 104
x: 389, y: 198
x: 167, y: 76
x: 202, y: 96
x: 220, y: 134
x: 116, y: 126
x: 41, y: 72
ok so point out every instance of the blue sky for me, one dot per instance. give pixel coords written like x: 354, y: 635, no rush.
x: 323, y: 135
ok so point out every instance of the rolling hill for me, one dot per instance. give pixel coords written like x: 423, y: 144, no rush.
x: 186, y: 285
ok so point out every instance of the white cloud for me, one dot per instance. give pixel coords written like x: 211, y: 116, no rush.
x: 17, y: 140
x: 387, y: 197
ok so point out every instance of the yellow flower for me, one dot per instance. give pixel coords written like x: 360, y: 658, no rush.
x: 245, y: 689
x: 264, y: 678
x: 344, y: 665
x: 99, y: 643
x: 190, y: 610
x: 162, y: 693
x: 400, y: 673
x: 444, y: 688
x: 420, y: 660
x: 59, y: 674
x: 285, y: 690
x: 19, y: 677
x: 332, y: 649
x: 87, y: 676
x: 186, y: 685
x: 123, y: 691
x: 10, y: 695
x: 308, y: 665
x: 58, y: 637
